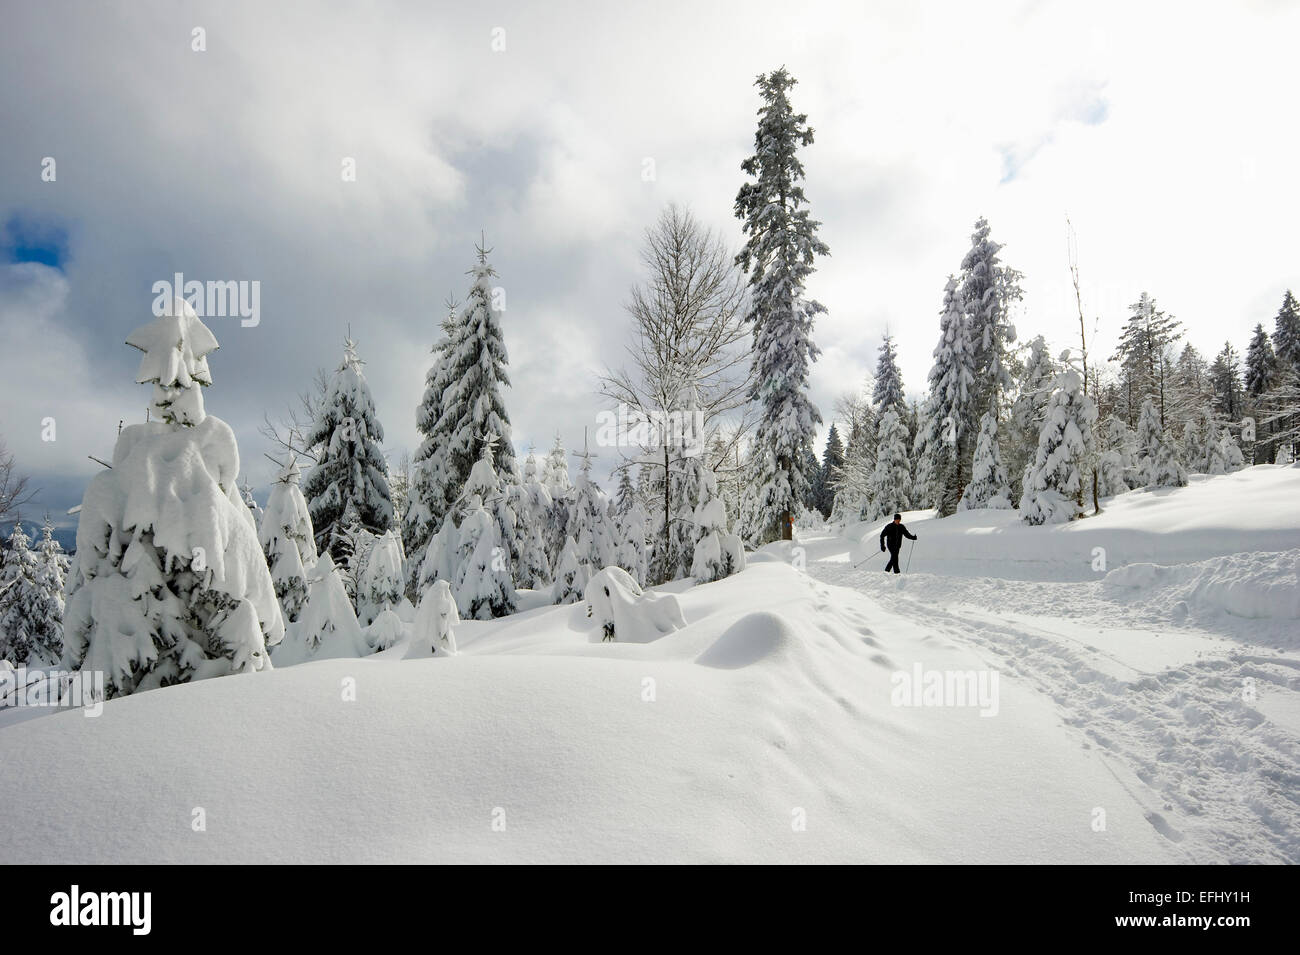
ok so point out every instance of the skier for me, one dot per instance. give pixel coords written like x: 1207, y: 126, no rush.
x: 895, y: 533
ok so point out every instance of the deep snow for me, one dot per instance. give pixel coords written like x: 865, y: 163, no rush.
x: 771, y: 708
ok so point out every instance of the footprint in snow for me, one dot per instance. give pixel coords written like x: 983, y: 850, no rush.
x: 1161, y: 825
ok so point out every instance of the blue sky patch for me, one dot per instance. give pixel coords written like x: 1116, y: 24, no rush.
x: 30, y: 240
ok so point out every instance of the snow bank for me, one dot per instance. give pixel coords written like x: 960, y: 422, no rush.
x: 1252, y: 585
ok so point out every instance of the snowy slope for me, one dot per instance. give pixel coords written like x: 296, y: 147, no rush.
x: 775, y: 698
x: 1257, y: 509
x: 771, y: 707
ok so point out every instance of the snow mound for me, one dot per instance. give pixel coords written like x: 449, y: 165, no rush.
x: 624, y: 612
x: 1252, y: 585
x: 753, y: 638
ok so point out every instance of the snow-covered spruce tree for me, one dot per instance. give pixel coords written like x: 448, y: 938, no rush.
x: 1117, y: 465
x: 1195, y: 451
x: 383, y: 582
x: 327, y: 626
x: 887, y: 392
x: 571, y: 576
x: 1143, y: 348
x: 1158, y: 464
x: 473, y: 406
x: 988, y: 290
x: 952, y: 403
x: 925, y: 465
x: 716, y: 553
x: 20, y: 600
x: 633, y: 554
x: 1225, y: 380
x: 350, y: 472
x: 1053, y: 483
x: 170, y: 583
x: 988, y: 484
x: 555, y: 478
x: 832, y: 463
x: 1286, y: 332
x: 891, y: 481
x: 485, y: 483
x: 433, y: 485
x: 484, y: 588
x: 51, y: 572
x: 532, y: 507
x: 1224, y: 456
x: 778, y: 256
x: 287, y: 540
x: 593, y: 537
x: 441, y: 560
x: 1261, y: 377
x: 1034, y: 388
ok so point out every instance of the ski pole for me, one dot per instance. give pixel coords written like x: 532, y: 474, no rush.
x: 864, y: 560
x: 909, y: 556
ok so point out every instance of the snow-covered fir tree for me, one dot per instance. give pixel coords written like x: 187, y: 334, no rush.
x: 170, y: 583
x: 887, y: 393
x: 716, y: 552
x: 778, y: 256
x: 485, y: 483
x: 433, y: 483
x: 589, y: 524
x: 20, y: 600
x: 633, y: 554
x: 952, y: 403
x: 327, y: 626
x: 1117, y: 464
x: 1198, y: 437
x: 1053, y: 482
x: 988, y: 289
x: 988, y: 486
x: 473, y: 404
x: 484, y: 587
x: 571, y: 576
x: 442, y: 555
x: 51, y: 573
x: 1225, y: 456
x: 383, y: 582
x: 1286, y: 331
x: 532, y: 506
x: 891, y: 481
x: 556, y: 480
x: 1262, y: 376
x: 1025, y: 423
x: 1225, y: 380
x: 288, y: 540
x: 351, y: 473
x: 1143, y: 351
x: 924, y: 460
x: 831, y: 466
x: 1261, y: 363
x: 1158, y: 464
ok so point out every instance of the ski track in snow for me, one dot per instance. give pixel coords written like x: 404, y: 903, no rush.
x: 1221, y: 776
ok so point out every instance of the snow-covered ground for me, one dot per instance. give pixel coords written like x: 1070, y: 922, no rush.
x: 1142, y: 715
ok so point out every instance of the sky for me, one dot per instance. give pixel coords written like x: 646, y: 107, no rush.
x: 1164, y: 130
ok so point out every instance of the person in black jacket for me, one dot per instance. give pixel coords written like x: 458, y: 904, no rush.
x: 894, y: 534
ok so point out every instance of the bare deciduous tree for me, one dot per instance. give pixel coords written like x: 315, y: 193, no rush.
x: 287, y: 431
x: 688, y: 336
x: 14, y: 492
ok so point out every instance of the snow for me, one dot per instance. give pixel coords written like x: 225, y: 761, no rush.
x: 763, y: 728
x: 617, y: 605
x: 1250, y: 510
